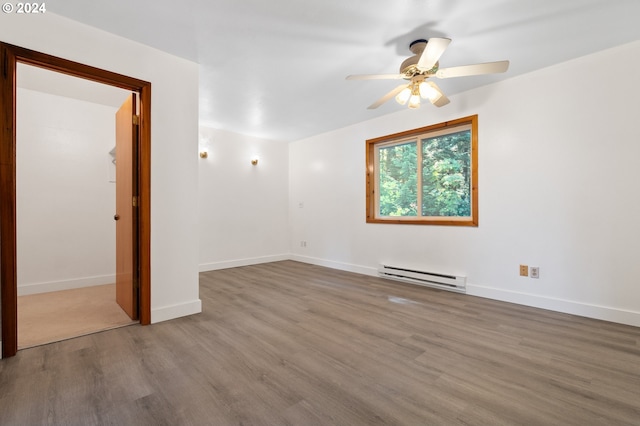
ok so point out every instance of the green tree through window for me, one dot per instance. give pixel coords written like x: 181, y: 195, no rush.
x: 446, y: 175
x: 398, y: 180
x: 424, y: 176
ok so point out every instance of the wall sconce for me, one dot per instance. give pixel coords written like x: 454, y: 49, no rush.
x: 204, y: 154
x: 254, y: 161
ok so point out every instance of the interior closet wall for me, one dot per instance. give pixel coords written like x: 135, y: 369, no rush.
x: 65, y: 193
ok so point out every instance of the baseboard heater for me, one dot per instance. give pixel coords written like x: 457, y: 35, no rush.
x: 430, y: 279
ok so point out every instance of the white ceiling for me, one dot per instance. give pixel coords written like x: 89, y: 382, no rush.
x: 276, y: 68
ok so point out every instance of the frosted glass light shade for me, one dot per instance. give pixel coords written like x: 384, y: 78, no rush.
x: 414, y: 101
x: 403, y: 96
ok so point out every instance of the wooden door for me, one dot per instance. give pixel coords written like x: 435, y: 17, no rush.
x: 126, y: 208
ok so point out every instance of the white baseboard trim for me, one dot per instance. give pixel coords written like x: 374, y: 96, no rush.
x: 27, y: 289
x: 604, y: 313
x: 349, y: 267
x: 242, y: 262
x: 170, y: 312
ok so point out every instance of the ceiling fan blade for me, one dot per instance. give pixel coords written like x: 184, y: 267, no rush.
x: 375, y: 77
x: 435, y: 48
x: 476, y: 69
x: 388, y: 96
x: 440, y: 99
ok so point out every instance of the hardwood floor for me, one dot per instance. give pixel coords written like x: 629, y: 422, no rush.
x: 287, y: 343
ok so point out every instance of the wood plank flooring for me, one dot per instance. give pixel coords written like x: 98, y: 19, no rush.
x: 287, y: 343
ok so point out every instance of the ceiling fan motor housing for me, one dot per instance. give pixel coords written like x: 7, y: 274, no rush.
x: 417, y: 46
x: 408, y: 66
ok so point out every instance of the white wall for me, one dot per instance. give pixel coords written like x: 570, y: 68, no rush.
x: 174, y: 133
x: 243, y: 208
x: 65, y: 202
x: 558, y: 183
x: 558, y: 180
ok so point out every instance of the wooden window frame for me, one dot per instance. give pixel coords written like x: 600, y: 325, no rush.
x: 418, y: 134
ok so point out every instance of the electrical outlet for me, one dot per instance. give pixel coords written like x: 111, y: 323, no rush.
x: 524, y: 271
x: 303, y: 243
x: 535, y: 272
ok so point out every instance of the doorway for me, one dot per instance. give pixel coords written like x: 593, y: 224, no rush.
x: 10, y: 56
x: 65, y: 204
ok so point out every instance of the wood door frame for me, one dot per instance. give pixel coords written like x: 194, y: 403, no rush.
x: 10, y: 56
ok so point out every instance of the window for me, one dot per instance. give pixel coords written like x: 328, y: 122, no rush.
x: 425, y: 176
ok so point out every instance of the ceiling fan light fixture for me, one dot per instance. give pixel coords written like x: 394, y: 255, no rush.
x: 423, y: 65
x: 428, y: 92
x: 414, y: 101
x: 403, y: 96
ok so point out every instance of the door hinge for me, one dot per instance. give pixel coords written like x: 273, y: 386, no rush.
x: 135, y: 201
x: 136, y: 120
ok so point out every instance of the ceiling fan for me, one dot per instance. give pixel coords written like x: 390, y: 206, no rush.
x: 422, y: 66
